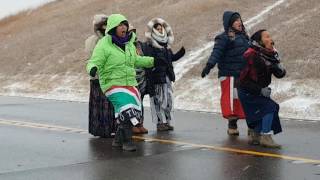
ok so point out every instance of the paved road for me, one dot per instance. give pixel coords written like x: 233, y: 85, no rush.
x: 46, y: 139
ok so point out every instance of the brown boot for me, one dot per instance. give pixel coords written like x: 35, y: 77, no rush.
x: 162, y: 127
x: 170, y: 128
x: 267, y: 141
x: 143, y: 130
x: 253, y: 137
x: 136, y: 130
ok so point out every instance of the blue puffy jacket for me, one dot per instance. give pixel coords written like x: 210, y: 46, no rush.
x: 228, y: 52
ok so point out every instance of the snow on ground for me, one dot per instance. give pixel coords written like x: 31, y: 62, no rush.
x: 296, y: 101
x: 11, y: 7
x: 66, y: 87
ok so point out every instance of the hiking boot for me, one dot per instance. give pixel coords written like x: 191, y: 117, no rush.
x: 116, y: 144
x: 143, y: 130
x: 170, y: 128
x: 129, y: 146
x: 253, y: 137
x: 136, y: 130
x: 233, y: 127
x: 117, y: 141
x: 162, y: 127
x: 267, y: 141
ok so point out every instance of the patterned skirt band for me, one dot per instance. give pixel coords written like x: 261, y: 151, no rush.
x: 126, y: 101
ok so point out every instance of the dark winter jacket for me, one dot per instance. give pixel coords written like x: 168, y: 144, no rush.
x: 163, y: 66
x: 228, y: 51
x: 261, y: 64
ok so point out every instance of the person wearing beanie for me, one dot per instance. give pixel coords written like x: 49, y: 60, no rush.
x: 228, y: 54
x: 254, y: 92
x: 101, y: 113
x: 160, y: 37
x: 115, y: 58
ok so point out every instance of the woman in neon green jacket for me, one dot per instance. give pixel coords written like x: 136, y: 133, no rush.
x: 115, y: 59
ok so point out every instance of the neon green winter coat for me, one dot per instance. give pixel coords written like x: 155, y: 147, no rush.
x: 116, y: 67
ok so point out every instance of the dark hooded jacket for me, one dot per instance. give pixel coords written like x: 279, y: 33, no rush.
x: 163, y: 67
x: 162, y: 53
x: 228, y: 51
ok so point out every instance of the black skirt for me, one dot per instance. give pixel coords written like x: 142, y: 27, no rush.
x: 102, y: 122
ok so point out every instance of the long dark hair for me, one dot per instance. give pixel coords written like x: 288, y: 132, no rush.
x: 256, y: 38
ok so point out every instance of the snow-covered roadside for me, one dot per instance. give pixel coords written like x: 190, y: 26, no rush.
x: 297, y: 99
x: 64, y: 87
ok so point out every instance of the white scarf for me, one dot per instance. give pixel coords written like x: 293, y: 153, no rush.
x: 160, y: 37
x: 155, y: 37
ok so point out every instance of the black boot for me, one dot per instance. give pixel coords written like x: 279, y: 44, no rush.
x: 118, y: 140
x: 128, y: 144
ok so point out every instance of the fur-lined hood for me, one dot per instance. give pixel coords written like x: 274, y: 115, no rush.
x: 99, y: 20
x: 167, y: 28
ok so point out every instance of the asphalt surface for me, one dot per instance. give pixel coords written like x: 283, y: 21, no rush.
x: 47, y: 139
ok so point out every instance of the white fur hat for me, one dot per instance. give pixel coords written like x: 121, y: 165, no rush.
x: 99, y: 18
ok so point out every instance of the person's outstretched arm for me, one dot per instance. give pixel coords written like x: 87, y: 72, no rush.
x: 216, y: 54
x: 179, y: 54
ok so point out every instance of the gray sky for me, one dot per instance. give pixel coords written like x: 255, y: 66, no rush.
x: 8, y: 7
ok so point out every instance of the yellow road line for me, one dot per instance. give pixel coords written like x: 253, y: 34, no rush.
x: 42, y: 126
x: 215, y: 148
x: 233, y: 150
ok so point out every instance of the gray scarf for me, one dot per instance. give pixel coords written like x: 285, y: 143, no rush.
x: 161, y: 38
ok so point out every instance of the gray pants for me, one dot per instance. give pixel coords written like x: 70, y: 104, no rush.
x: 161, y: 103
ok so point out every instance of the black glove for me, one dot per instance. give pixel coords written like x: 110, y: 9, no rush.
x: 179, y: 54
x: 206, y: 70
x: 93, y: 71
x: 278, y: 70
x: 266, y: 92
